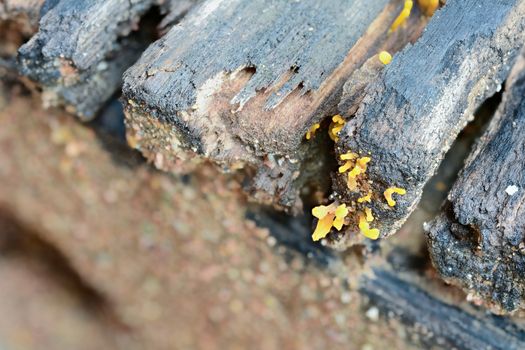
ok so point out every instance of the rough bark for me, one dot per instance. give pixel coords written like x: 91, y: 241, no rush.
x: 413, y: 112
x: 239, y: 83
x: 82, y: 49
x: 478, y: 241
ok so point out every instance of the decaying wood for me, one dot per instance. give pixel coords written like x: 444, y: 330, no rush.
x: 240, y: 82
x: 478, y: 241
x: 82, y: 49
x: 412, y: 113
x: 437, y: 323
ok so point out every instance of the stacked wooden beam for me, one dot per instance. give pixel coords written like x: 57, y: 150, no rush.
x: 411, y: 114
x: 239, y: 83
x: 478, y: 241
x: 82, y: 49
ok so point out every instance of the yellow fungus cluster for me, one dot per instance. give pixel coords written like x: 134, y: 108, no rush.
x: 335, y: 127
x: 364, y: 225
x: 335, y: 214
x: 367, y: 198
x: 428, y: 6
x: 402, y: 17
x: 311, y: 132
x: 385, y: 57
x: 329, y: 216
x: 358, y: 165
x: 390, y: 191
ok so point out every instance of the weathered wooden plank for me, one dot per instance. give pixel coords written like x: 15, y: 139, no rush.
x: 240, y: 82
x: 478, y: 240
x: 413, y: 112
x: 82, y: 48
x: 76, y: 55
x: 436, y: 323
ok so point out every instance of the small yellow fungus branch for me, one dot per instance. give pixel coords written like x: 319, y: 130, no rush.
x: 349, y: 156
x: 388, y: 194
x: 340, y: 213
x: 364, y: 227
x: 335, y: 127
x: 428, y: 6
x: 329, y: 216
x: 405, y: 13
x: 369, y: 215
x: 385, y: 57
x: 362, y: 162
x: 359, y: 168
x: 344, y: 168
x: 311, y: 132
x: 367, y: 198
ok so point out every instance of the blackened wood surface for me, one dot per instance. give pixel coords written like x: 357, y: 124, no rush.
x: 75, y: 54
x: 414, y: 111
x: 82, y: 49
x: 478, y: 241
x: 436, y: 323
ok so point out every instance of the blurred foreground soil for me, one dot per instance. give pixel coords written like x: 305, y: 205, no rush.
x: 100, y: 251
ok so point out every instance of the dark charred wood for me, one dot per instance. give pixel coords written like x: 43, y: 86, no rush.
x: 82, y: 49
x: 478, y: 241
x: 408, y: 118
x: 433, y: 323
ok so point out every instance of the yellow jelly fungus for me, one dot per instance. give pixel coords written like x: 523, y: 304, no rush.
x: 338, y: 119
x: 428, y: 6
x: 340, y: 213
x: 351, y: 183
x: 385, y: 57
x: 320, y: 211
x: 311, y: 132
x: 369, y: 215
x: 364, y: 227
x: 388, y: 194
x: 347, y: 165
x: 329, y: 216
x: 359, y: 168
x: 405, y: 13
x: 367, y: 198
x: 362, y: 162
x: 349, y: 156
x: 323, y: 227
x: 335, y: 127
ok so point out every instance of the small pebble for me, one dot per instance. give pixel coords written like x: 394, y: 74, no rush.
x: 511, y: 190
x: 373, y: 314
